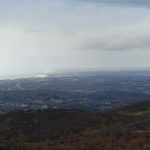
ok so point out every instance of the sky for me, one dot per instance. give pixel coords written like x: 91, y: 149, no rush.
x: 48, y: 35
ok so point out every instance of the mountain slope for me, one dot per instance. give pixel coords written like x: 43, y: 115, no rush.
x: 123, y: 129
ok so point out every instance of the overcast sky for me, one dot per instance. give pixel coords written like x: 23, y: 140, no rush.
x: 46, y: 35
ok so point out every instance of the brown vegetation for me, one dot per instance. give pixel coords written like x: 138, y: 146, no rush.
x: 122, y: 129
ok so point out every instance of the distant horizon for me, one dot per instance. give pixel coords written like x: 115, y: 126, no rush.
x: 65, y: 71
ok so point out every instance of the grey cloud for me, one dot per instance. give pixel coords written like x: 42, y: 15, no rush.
x: 117, y: 44
x: 139, y: 3
x: 35, y: 31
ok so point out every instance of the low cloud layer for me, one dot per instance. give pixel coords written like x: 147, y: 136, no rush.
x: 117, y: 43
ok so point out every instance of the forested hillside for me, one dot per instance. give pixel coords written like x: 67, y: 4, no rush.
x: 127, y: 128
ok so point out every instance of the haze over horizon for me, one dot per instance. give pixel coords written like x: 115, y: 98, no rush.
x: 38, y: 36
